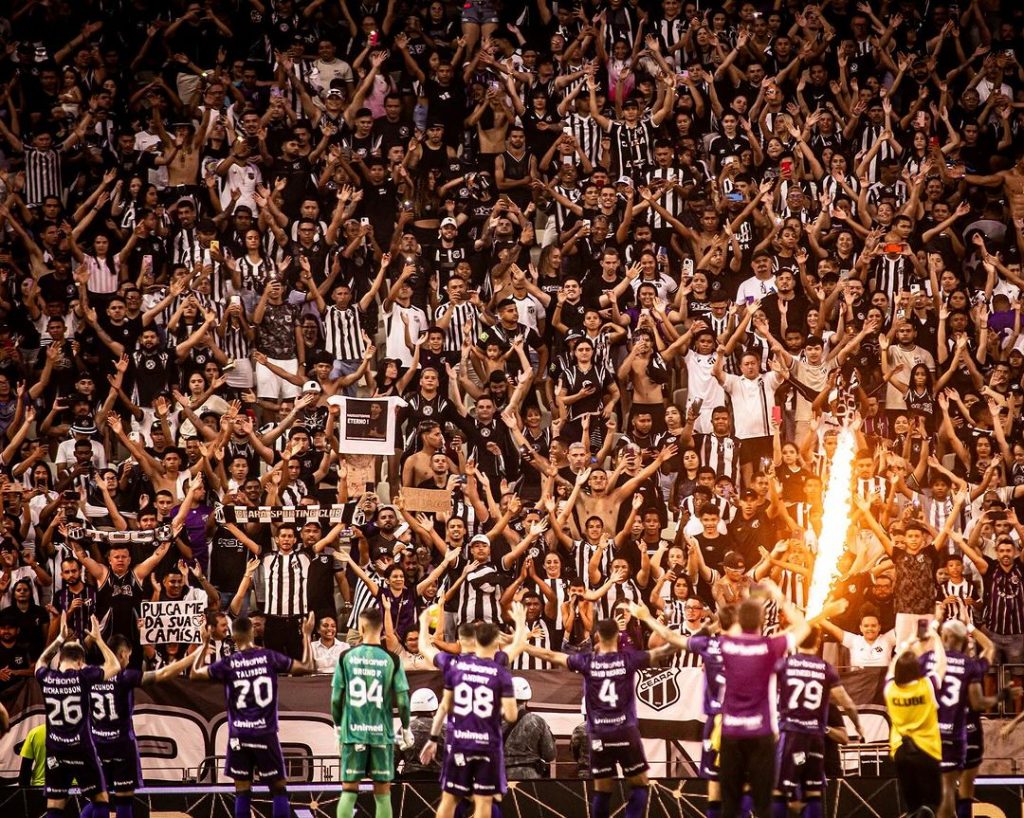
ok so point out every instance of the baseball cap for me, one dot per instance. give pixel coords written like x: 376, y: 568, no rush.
x: 312, y: 386
x: 84, y: 427
x: 423, y: 701
x: 480, y: 538
x: 448, y: 220
x: 748, y: 494
x: 734, y: 560
x: 521, y: 688
x: 625, y: 180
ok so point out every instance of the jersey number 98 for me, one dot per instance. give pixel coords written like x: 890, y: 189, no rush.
x: 476, y: 700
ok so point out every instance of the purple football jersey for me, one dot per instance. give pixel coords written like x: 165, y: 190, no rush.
x: 478, y: 686
x: 609, y: 687
x: 112, y: 704
x: 748, y: 706
x: 66, y: 693
x: 250, y: 687
x: 804, y: 684
x: 710, y: 651
x: 961, y: 672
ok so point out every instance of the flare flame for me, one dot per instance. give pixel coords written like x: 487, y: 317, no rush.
x: 835, y: 523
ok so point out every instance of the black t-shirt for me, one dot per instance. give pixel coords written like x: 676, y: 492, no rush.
x: 714, y: 550
x: 15, y: 657
x: 228, y: 557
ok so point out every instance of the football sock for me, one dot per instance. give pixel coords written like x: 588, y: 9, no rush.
x: 636, y: 804
x: 347, y: 804
x: 123, y: 807
x: 714, y: 809
x: 600, y: 805
x: 964, y: 807
x: 279, y: 806
x: 100, y: 809
x: 780, y: 807
x: 812, y: 809
x: 243, y: 804
x: 747, y: 805
x: 382, y: 805
x: 86, y: 811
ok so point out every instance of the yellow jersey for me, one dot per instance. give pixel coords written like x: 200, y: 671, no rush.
x: 34, y: 747
x: 914, y: 712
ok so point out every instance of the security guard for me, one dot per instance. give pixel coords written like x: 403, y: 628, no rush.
x: 529, y: 744
x: 422, y: 706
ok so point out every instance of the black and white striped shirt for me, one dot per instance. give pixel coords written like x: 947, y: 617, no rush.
x: 526, y: 662
x: 480, y: 594
x: 284, y: 581
x: 42, y: 175
x: 343, y: 335
x: 685, y: 658
x: 582, y: 553
x: 720, y: 454
x: 361, y: 596
x: 234, y: 343
x: 463, y: 315
x: 587, y: 133
x: 1004, y: 590
x: 627, y: 590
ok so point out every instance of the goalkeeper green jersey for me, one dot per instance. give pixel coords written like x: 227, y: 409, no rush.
x: 368, y: 677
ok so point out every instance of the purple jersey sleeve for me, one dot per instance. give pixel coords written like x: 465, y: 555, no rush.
x: 280, y: 662
x: 710, y: 652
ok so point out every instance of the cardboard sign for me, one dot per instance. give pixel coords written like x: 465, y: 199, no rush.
x: 432, y: 501
x: 167, y: 623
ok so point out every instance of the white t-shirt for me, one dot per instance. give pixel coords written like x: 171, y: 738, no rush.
x: 325, y: 658
x: 873, y: 654
x: 704, y: 386
x: 755, y: 288
x: 66, y: 454
x: 395, y: 346
x: 752, y: 403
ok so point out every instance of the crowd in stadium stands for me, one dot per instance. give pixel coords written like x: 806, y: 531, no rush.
x: 632, y: 268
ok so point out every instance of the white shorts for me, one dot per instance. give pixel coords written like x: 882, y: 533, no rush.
x: 270, y: 387
x: 241, y: 376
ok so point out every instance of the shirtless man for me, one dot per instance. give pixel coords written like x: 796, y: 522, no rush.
x: 634, y: 379
x: 604, y: 504
x: 1012, y: 182
x: 183, y: 150
x: 165, y: 474
x: 492, y: 127
x: 417, y: 467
